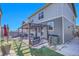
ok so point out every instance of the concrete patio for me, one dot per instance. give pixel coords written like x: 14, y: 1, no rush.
x: 69, y: 49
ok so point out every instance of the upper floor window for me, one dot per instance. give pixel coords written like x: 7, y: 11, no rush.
x: 31, y: 21
x: 41, y: 15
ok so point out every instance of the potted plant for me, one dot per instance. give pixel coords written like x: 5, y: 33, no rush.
x: 5, y: 47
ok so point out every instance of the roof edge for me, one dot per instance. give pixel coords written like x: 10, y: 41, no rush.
x: 45, y: 6
x: 74, y: 10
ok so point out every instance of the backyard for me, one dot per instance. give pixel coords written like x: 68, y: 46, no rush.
x: 21, y: 48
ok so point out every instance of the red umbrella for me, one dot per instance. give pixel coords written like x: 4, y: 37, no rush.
x: 5, y: 31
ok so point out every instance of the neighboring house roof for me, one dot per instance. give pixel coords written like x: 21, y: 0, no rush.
x: 48, y: 4
x: 77, y: 27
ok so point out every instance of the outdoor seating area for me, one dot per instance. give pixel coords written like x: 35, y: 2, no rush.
x: 54, y: 40
x: 33, y: 31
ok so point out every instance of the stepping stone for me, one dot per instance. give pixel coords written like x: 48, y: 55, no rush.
x: 23, y: 48
x: 15, y: 49
x: 28, y: 54
x: 14, y: 45
x: 12, y: 53
x: 25, y: 51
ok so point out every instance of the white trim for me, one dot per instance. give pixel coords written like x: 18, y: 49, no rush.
x: 68, y: 19
x: 62, y: 27
x: 50, y: 19
x: 62, y: 30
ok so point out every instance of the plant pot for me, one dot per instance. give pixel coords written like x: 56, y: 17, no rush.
x: 5, y: 49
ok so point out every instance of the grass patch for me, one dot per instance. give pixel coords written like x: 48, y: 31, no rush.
x: 44, y: 51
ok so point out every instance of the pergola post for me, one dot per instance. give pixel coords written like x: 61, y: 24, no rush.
x: 47, y: 32
x: 22, y: 30
x: 18, y: 31
x: 41, y: 31
x: 36, y: 32
x: 29, y: 31
x: 29, y: 34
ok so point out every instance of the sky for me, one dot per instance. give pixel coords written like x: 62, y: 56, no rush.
x: 77, y: 12
x: 13, y: 13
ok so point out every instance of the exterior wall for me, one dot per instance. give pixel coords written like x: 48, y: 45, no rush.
x: 68, y: 13
x: 57, y: 28
x: 69, y: 21
x: 54, y: 11
x: 68, y: 30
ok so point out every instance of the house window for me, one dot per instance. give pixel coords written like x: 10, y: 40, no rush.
x: 41, y: 15
x: 51, y: 25
x: 31, y: 20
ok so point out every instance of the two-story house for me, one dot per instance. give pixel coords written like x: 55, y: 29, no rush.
x: 60, y: 19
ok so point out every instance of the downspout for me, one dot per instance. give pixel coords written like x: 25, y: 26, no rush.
x: 62, y: 26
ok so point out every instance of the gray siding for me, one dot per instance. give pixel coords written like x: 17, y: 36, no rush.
x: 52, y: 13
x: 68, y: 29
x: 57, y: 28
x: 68, y: 13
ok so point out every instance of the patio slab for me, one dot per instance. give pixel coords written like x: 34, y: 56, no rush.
x: 69, y: 49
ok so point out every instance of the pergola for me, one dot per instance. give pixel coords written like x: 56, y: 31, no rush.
x: 29, y: 26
